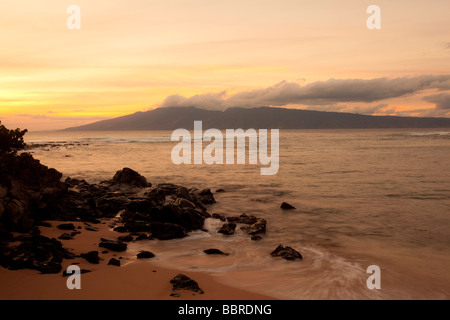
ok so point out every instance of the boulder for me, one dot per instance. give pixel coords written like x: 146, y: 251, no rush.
x: 145, y: 255
x: 130, y: 177
x: 219, y: 217
x: 91, y: 257
x: 205, y: 196
x: 127, y: 238
x: 215, y: 252
x: 243, y: 218
x: 287, y: 253
x: 66, y: 226
x: 167, y: 231
x: 259, y: 227
x: 114, y: 262
x: 287, y: 206
x: 182, y: 282
x: 113, y: 245
x: 228, y: 229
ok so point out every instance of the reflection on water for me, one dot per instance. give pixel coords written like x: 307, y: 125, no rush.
x: 373, y: 197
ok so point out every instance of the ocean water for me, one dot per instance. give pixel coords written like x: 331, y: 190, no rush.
x: 363, y: 197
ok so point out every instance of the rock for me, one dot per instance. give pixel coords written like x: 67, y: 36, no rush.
x: 218, y: 216
x: 66, y: 226
x: 114, y: 262
x: 168, y: 188
x: 182, y: 282
x: 206, y: 196
x: 120, y: 229
x: 243, y: 218
x: 50, y: 268
x: 34, y: 252
x: 128, y: 238
x: 220, y: 190
x: 141, y: 205
x: 183, y: 203
x: 91, y: 228
x: 287, y: 206
x: 130, y: 177
x: 256, y: 238
x: 215, y: 251
x: 167, y: 231
x: 145, y: 255
x: 259, y: 227
x: 91, y: 257
x: 82, y: 271
x: 287, y: 253
x: 183, y: 193
x: 113, y: 245
x: 65, y: 236
x: 142, y: 237
x: 228, y: 229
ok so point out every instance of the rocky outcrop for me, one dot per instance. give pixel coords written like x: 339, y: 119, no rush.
x: 34, y: 252
x: 29, y: 192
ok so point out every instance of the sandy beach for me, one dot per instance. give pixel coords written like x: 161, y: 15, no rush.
x: 134, y: 280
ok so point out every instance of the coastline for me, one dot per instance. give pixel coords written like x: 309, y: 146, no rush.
x: 134, y: 280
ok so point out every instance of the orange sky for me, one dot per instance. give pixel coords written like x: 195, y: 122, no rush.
x: 130, y: 55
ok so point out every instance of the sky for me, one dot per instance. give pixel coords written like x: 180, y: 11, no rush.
x: 136, y: 55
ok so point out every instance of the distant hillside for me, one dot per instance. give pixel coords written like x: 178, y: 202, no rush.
x: 258, y: 118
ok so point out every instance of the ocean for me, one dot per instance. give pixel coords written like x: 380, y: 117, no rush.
x: 363, y: 198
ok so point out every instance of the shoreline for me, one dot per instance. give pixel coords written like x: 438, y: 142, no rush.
x: 134, y: 280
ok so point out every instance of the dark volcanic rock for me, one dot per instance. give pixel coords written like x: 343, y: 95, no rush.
x: 65, y: 236
x: 91, y: 228
x: 228, y: 229
x: 182, y: 282
x: 143, y: 236
x: 91, y: 257
x: 121, y: 229
x: 130, y: 177
x: 34, y: 252
x: 114, y: 262
x: 128, y: 238
x: 206, y: 196
x: 259, y: 227
x: 66, y: 226
x: 243, y: 218
x: 168, y: 188
x: 287, y: 206
x: 145, y: 255
x: 113, y: 245
x: 287, y: 253
x: 82, y: 271
x: 167, y: 231
x: 218, y: 216
x: 50, y: 268
x: 215, y: 251
x: 256, y: 238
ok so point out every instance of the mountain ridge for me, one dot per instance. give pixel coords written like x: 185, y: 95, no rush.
x: 172, y: 118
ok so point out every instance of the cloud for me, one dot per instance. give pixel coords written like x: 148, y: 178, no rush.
x: 333, y: 91
x: 47, y: 117
x: 441, y: 100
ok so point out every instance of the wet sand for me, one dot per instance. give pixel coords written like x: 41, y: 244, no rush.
x: 134, y: 280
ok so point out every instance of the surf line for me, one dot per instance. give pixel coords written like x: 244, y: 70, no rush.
x: 214, y: 153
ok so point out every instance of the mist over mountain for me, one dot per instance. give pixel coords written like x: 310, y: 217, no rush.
x: 172, y: 118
